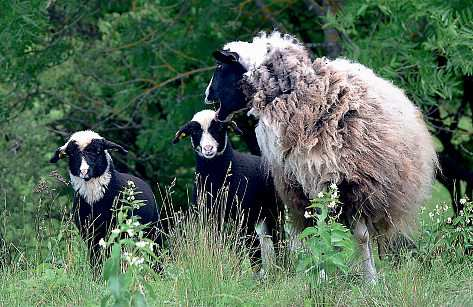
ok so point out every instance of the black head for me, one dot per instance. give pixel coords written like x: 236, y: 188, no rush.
x: 226, y: 85
x: 87, y: 153
x: 208, y: 136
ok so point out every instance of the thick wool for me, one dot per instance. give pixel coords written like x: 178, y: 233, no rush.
x: 335, y: 121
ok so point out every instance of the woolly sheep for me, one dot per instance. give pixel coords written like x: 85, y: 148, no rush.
x: 330, y: 121
x: 236, y: 179
x: 96, y: 184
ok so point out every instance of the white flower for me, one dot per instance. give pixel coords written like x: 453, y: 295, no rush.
x: 449, y: 220
x: 130, y: 232
x: 431, y: 215
x: 116, y: 231
x: 334, y: 195
x: 462, y: 201
x: 136, y: 224
x: 129, y: 221
x: 127, y: 256
x: 141, y: 244
x: 320, y: 195
x: 322, y: 275
x: 333, y: 186
x: 461, y: 213
x: 137, y: 261
x: 102, y: 243
x: 332, y: 204
x: 131, y: 183
x: 307, y: 214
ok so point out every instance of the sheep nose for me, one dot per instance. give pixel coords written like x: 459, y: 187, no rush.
x: 208, y: 147
x: 83, y: 172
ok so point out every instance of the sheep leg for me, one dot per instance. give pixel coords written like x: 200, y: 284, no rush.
x: 362, y: 237
x: 275, y: 228
x: 293, y: 198
x: 254, y: 250
x: 382, y: 242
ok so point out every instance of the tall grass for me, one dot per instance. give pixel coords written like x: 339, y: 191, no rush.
x: 206, y: 261
x: 206, y: 265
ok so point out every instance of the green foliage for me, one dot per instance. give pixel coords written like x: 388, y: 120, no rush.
x: 450, y: 238
x: 328, y: 245
x: 131, y: 257
x: 206, y: 268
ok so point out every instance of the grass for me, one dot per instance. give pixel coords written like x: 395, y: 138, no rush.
x: 205, y: 267
x: 411, y: 284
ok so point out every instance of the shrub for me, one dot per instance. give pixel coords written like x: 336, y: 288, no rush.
x: 447, y: 237
x: 328, y: 245
x: 132, y: 256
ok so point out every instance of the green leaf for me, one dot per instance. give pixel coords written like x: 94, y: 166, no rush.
x: 309, y: 231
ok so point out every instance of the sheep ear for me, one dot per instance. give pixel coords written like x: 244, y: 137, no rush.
x: 182, y: 133
x: 233, y: 126
x: 109, y: 145
x: 226, y: 56
x: 58, y: 154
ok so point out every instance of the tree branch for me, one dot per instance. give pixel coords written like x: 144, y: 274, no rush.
x: 267, y: 14
x: 331, y: 37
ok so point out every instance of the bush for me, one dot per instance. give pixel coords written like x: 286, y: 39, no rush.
x: 447, y: 237
x: 328, y: 246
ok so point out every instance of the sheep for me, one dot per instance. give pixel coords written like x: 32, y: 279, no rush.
x: 330, y: 121
x: 222, y: 169
x: 97, y: 184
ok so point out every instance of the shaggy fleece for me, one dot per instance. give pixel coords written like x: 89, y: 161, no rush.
x: 334, y: 121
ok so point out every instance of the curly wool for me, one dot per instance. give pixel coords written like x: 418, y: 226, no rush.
x: 335, y: 121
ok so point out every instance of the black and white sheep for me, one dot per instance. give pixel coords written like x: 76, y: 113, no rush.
x: 97, y: 184
x: 330, y: 121
x: 237, y: 180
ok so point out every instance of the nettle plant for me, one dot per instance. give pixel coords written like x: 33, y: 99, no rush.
x: 448, y: 236
x: 328, y: 245
x: 132, y: 255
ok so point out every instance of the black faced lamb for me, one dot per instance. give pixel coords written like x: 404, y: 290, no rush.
x: 237, y: 178
x: 330, y: 121
x: 97, y: 184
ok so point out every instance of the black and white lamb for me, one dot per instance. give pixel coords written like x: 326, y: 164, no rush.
x: 236, y: 180
x: 97, y: 184
x: 330, y: 121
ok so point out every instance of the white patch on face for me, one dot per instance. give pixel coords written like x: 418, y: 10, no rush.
x: 207, y: 90
x: 82, y: 139
x: 204, y: 118
x: 84, y: 168
x: 208, y: 146
x: 94, y: 189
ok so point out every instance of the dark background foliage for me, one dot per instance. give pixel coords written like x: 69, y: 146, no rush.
x: 135, y: 70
